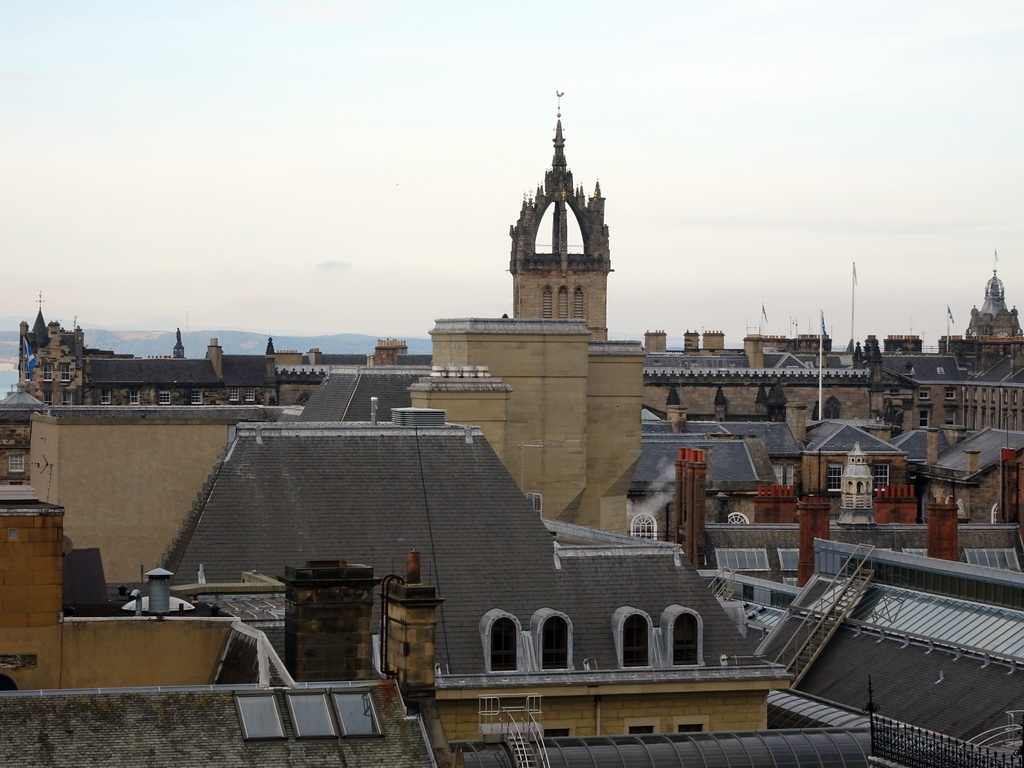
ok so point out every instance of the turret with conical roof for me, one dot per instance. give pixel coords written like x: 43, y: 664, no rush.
x: 558, y: 283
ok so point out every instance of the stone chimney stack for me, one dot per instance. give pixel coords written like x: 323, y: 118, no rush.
x: 691, y: 341
x: 942, y: 529
x: 655, y: 342
x: 327, y: 623
x: 814, y: 512
x: 215, y: 355
x: 796, y: 417
x: 932, y: 436
x: 677, y: 417
x: 971, y: 461
x: 387, y: 351
x: 411, y: 626
x: 714, y: 341
x: 753, y: 347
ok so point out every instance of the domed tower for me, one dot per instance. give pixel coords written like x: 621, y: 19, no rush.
x: 994, y: 319
x: 557, y: 283
x: 857, y: 506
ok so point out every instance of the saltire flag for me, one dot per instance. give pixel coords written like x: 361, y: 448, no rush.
x: 30, y: 356
x: 949, y: 314
x: 823, y: 331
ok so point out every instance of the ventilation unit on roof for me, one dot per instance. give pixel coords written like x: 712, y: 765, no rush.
x: 537, y: 500
x: 417, y: 417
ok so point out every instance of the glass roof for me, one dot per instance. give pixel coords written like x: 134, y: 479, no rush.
x: 987, y: 628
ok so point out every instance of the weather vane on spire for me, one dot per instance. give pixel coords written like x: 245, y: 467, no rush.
x: 559, y: 95
x: 40, y: 301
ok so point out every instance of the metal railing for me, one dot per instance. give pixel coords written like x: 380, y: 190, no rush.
x: 915, y: 747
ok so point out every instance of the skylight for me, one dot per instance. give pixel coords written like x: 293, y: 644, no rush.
x: 311, y: 715
x: 259, y: 716
x: 355, y: 712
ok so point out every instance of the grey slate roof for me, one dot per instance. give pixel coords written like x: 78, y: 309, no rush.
x: 244, y: 370
x: 155, y: 370
x: 925, y: 368
x: 345, y: 394
x: 732, y: 464
x: 777, y: 436
x: 915, y: 444
x: 988, y: 442
x: 840, y: 437
x: 185, y: 728
x: 291, y: 493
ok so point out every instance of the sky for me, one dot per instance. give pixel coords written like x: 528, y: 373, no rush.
x: 311, y: 167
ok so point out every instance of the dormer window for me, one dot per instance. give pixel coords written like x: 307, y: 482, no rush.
x: 500, y: 635
x: 551, y: 632
x: 632, y: 632
x: 682, y: 635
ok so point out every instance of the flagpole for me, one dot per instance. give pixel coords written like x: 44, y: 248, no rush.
x: 821, y: 352
x: 853, y: 305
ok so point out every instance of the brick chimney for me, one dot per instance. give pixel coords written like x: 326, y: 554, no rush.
x: 327, y: 622
x: 411, y: 625
x: 387, y: 351
x: 1009, y: 501
x: 942, y: 529
x: 814, y: 512
x: 691, y: 474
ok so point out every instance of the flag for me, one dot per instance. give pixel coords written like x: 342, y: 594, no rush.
x: 855, y: 273
x: 763, y: 313
x: 949, y: 314
x: 30, y: 357
x: 824, y: 333
x: 997, y: 256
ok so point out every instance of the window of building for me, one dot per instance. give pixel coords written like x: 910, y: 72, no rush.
x: 689, y: 727
x: 685, y: 631
x: 554, y: 644
x: 259, y: 717
x: 65, y: 372
x: 197, y: 397
x: 554, y: 733
x: 643, y: 526
x: 789, y: 559
x: 940, y: 370
x: 951, y: 414
x: 881, y: 469
x: 311, y: 715
x: 577, y: 303
x: 47, y: 398
x: 833, y: 410
x: 499, y: 631
x: 104, y: 397
x: 640, y: 729
x: 922, y: 417
x: 16, y: 463
x: 742, y: 559
x: 67, y: 398
x: 356, y: 714
x: 834, y: 477
x: 634, y: 641
x: 250, y: 394
x: 134, y: 397
x: 545, y: 311
x: 47, y: 371
x: 783, y: 473
x: 993, y: 558
x: 164, y: 397
x: 923, y: 394
x: 950, y: 393
x: 232, y: 394
x: 563, y: 302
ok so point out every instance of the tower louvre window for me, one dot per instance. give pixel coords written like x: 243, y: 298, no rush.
x: 546, y: 304
x: 577, y: 303
x: 563, y: 303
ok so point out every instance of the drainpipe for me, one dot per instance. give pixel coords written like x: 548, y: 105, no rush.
x: 597, y: 715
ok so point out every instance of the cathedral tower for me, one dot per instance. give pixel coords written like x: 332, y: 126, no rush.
x: 560, y: 284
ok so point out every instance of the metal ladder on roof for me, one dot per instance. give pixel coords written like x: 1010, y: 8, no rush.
x: 818, y: 627
x: 724, y: 584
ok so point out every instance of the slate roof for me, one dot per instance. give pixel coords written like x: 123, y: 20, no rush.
x: 291, y: 493
x: 840, y: 437
x: 140, y: 728
x: 732, y: 464
x: 988, y: 442
x: 915, y: 444
x: 345, y: 394
x: 153, y: 370
x: 244, y: 370
x: 777, y: 436
x: 925, y: 368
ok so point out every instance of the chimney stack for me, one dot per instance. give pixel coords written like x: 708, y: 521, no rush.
x: 327, y: 623
x: 655, y: 342
x: 971, y: 461
x: 942, y: 529
x: 796, y: 417
x: 814, y: 512
x: 411, y: 628
x: 215, y: 354
x: 932, y: 436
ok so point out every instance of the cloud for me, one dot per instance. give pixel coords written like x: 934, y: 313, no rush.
x: 332, y: 266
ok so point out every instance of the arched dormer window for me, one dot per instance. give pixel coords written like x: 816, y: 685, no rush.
x: 577, y: 303
x: 563, y: 303
x: 683, y: 636
x: 643, y: 526
x: 552, y: 636
x: 499, y: 631
x: 545, y: 303
x: 632, y: 632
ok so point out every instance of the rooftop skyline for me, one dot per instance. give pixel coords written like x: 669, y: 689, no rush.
x: 314, y: 167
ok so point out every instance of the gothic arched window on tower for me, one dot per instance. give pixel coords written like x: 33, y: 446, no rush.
x: 563, y: 303
x: 832, y: 409
x: 577, y: 303
x: 545, y: 306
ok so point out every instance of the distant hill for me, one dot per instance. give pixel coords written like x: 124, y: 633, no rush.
x: 159, y: 343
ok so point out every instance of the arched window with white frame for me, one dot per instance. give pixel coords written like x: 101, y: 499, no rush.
x: 551, y: 632
x: 499, y: 632
x: 643, y: 526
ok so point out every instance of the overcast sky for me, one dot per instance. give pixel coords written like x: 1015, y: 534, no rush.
x: 322, y: 167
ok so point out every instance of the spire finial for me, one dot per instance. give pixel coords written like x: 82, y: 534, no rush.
x: 559, y: 95
x: 40, y: 301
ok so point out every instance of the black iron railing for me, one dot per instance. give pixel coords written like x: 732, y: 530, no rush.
x: 918, y: 748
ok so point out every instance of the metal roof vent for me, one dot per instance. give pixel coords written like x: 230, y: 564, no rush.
x: 418, y: 417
